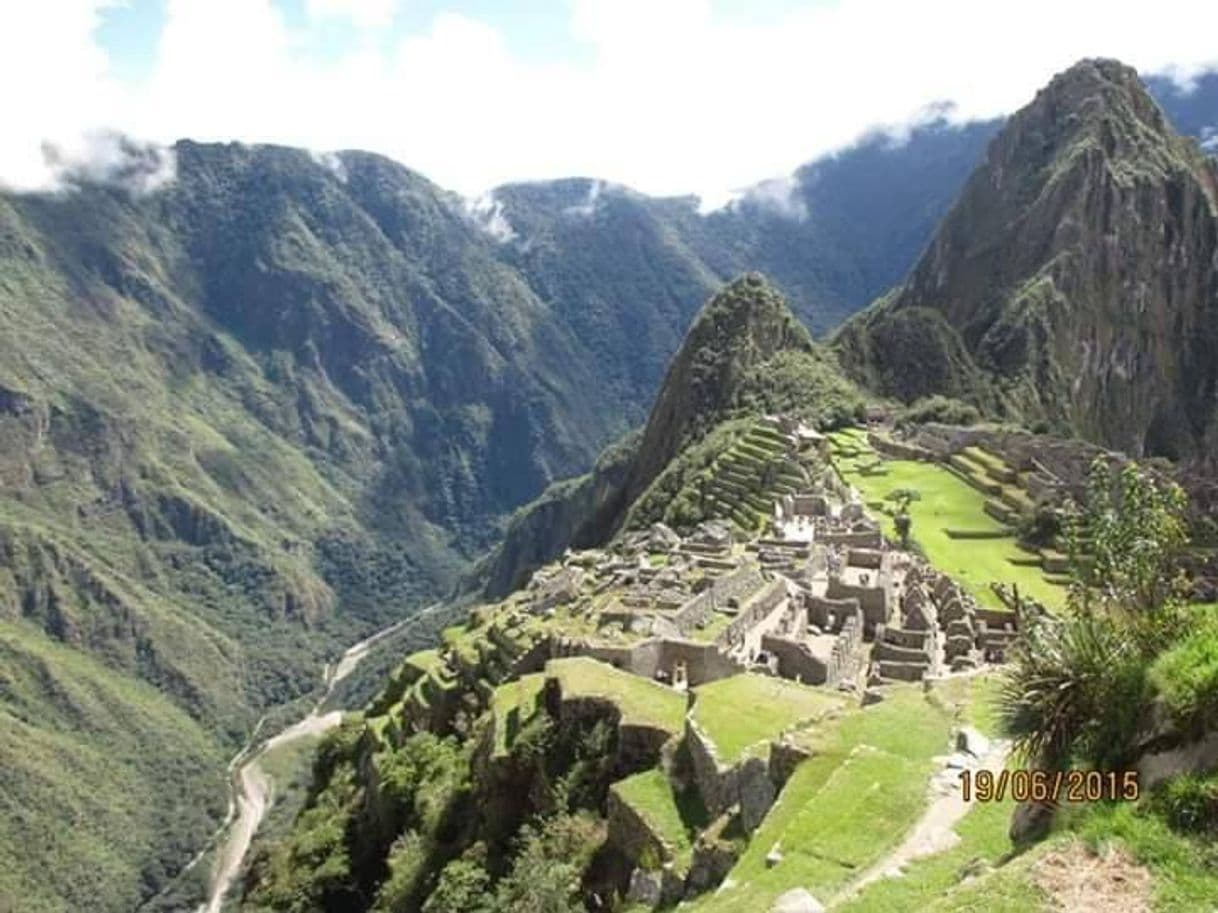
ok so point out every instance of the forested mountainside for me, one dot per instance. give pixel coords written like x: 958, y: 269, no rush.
x: 1074, y: 281
x: 280, y: 400
x: 745, y: 354
x: 249, y: 415
x: 245, y: 418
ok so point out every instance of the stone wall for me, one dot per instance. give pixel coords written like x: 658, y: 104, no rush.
x: 694, y: 613
x: 898, y: 450
x: 873, y: 600
x: 631, y: 835
x: 870, y: 558
x: 796, y: 659
x: 746, y: 783
x: 784, y: 758
x: 870, y: 538
x: 638, y: 746
x: 820, y: 608
x: 753, y: 612
x: 809, y: 505
x: 703, y: 662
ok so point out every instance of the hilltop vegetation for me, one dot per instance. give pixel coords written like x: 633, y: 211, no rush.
x: 745, y: 355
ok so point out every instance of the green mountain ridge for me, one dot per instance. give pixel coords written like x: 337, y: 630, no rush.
x: 1073, y: 282
x: 281, y: 402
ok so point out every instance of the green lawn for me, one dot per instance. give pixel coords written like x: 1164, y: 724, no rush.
x: 739, y: 712
x: 947, y: 502
x: 938, y: 882
x: 1185, y: 869
x: 1184, y: 876
x: 642, y: 702
x: 424, y: 660
x: 846, y: 806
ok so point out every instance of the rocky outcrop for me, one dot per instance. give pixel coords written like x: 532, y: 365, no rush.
x: 1075, y: 281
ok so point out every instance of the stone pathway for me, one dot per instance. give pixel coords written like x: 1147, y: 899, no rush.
x: 934, y: 832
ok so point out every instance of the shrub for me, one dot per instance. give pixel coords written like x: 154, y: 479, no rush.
x: 1185, y: 677
x: 942, y: 409
x: 1075, y: 688
x: 1189, y: 803
x: 1041, y: 527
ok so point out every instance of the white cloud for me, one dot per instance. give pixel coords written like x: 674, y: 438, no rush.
x: 587, y: 207
x: 779, y: 196
x: 367, y: 14
x: 106, y: 157
x: 669, y: 98
x: 487, y: 213
x: 55, y: 82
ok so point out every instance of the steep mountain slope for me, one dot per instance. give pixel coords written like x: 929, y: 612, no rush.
x: 1075, y: 280
x: 283, y: 400
x: 243, y: 419
x: 842, y: 230
x: 745, y: 355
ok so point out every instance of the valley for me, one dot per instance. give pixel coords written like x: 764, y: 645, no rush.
x: 284, y: 404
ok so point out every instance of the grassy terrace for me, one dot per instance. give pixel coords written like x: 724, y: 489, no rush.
x: 673, y: 817
x: 716, y: 626
x: 642, y: 702
x: 513, y: 705
x: 845, y: 807
x: 947, y: 503
x: 740, y: 712
x: 736, y: 486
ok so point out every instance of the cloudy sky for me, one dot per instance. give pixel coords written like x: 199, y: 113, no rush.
x: 668, y: 96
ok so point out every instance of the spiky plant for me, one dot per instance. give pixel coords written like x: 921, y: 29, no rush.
x: 1074, y: 687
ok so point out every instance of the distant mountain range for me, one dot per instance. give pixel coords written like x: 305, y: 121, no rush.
x: 1070, y: 287
x: 284, y: 399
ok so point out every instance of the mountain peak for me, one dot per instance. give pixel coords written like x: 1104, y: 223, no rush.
x: 1096, y: 111
x: 745, y: 324
x: 1066, y: 281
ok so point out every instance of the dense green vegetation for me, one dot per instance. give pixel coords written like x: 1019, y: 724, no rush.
x: 745, y: 354
x: 83, y: 744
x: 272, y: 407
x: 994, y: 311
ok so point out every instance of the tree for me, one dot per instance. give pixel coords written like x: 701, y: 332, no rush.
x: 903, y: 522
x: 1124, y: 545
x: 464, y: 886
x: 549, y: 865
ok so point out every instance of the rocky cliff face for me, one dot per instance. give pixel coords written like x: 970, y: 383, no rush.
x: 1075, y: 280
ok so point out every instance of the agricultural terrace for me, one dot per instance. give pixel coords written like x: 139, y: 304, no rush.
x: 950, y: 523
x: 849, y: 804
x: 641, y: 701
x: 675, y: 818
x: 746, y: 710
x: 513, y: 705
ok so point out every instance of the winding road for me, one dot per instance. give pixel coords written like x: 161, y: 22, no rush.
x: 251, y: 787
